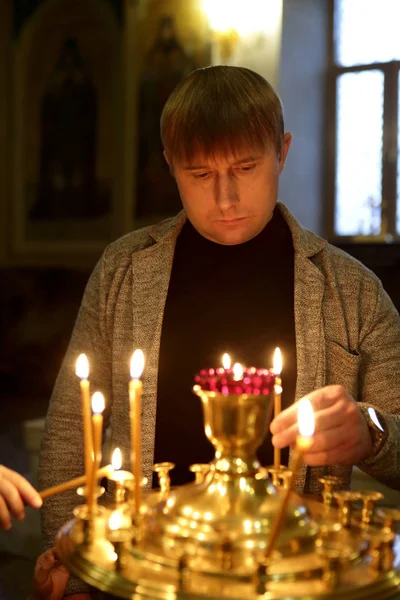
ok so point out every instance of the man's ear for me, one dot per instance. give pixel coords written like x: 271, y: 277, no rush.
x: 171, y: 170
x: 287, y: 140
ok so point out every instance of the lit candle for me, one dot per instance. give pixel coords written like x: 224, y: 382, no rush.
x: 97, y: 423
x: 123, y: 479
x: 237, y: 372
x: 135, y: 402
x: 119, y: 474
x: 306, y: 423
x: 277, y: 405
x: 82, y: 371
x: 226, y: 361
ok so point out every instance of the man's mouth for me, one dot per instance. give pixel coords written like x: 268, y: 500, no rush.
x: 231, y: 221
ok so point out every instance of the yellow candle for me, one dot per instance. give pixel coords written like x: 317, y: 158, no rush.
x: 303, y: 443
x: 74, y: 483
x: 82, y: 371
x: 97, y: 423
x: 135, y: 403
x: 277, y: 403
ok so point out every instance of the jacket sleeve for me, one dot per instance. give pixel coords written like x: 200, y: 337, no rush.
x: 62, y: 456
x: 380, y: 386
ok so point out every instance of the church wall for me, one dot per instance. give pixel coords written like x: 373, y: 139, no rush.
x: 302, y: 75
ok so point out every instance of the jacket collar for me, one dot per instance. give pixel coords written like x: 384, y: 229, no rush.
x: 305, y: 242
x: 169, y: 229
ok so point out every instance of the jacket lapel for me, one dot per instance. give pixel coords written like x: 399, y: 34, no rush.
x: 151, y: 271
x: 309, y: 291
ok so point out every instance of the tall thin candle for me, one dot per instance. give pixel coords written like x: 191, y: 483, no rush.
x: 82, y: 371
x: 277, y: 400
x: 106, y: 471
x: 303, y: 443
x: 97, y: 420
x: 135, y: 402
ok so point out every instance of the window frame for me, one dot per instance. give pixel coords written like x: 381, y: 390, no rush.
x: 391, y: 72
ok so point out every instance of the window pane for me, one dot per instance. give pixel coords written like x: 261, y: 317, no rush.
x: 359, y: 138
x: 367, y: 31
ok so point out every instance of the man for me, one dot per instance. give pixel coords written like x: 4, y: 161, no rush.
x: 234, y: 272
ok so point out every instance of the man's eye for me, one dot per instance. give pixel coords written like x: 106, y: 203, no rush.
x: 201, y: 175
x: 246, y: 168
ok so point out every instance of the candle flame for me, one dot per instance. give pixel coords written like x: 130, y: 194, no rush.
x: 116, y: 459
x: 237, y: 372
x: 277, y: 361
x: 115, y: 521
x: 226, y: 361
x: 305, y: 418
x: 82, y: 367
x: 98, y: 403
x: 137, y: 364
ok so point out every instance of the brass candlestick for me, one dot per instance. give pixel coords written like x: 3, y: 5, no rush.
x: 329, y: 482
x: 380, y: 548
x: 162, y: 470
x: 278, y: 474
x: 119, y: 533
x: 346, y: 500
x: 201, y: 471
x: 123, y: 482
x: 369, y: 499
x: 390, y: 517
x: 90, y: 517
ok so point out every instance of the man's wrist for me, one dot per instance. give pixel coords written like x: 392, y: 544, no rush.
x: 376, y: 426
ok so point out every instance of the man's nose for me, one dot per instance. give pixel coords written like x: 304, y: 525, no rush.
x: 226, y: 194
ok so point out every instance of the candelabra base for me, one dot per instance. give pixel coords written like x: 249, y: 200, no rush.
x: 338, y: 566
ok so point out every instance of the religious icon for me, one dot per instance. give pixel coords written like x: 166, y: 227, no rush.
x: 166, y: 65
x: 68, y: 124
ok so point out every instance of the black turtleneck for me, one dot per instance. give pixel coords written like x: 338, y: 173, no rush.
x: 236, y: 299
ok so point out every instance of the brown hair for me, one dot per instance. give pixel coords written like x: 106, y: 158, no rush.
x: 221, y: 110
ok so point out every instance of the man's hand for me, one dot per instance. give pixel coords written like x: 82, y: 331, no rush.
x: 50, y: 577
x: 15, y: 491
x: 341, y: 434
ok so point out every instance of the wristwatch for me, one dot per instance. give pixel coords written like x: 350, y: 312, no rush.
x: 377, y: 427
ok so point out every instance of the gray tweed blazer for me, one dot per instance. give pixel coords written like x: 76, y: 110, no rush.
x: 347, y: 332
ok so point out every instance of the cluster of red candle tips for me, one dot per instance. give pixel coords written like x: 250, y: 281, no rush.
x: 249, y: 380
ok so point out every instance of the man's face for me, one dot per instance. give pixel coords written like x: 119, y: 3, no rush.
x: 229, y: 200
